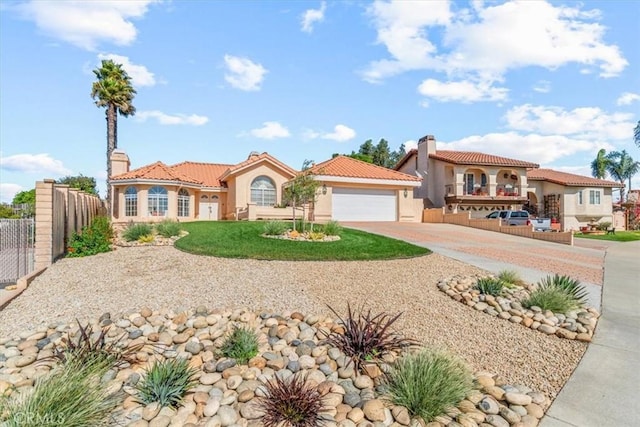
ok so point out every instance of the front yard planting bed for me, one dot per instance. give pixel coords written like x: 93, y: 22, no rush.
x: 243, y: 239
x: 578, y: 324
x: 619, y: 236
x: 226, y: 392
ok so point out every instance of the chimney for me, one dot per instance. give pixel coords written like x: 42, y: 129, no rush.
x: 119, y: 162
x: 426, y: 146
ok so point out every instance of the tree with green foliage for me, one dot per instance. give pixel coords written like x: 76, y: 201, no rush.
x: 301, y: 191
x: 6, y: 211
x: 379, y: 154
x: 600, y: 164
x: 622, y: 167
x: 27, y: 196
x: 636, y: 134
x: 81, y: 182
x: 113, y: 90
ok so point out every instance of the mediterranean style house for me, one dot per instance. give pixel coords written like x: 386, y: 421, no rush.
x: 480, y: 183
x: 352, y: 190
x: 349, y: 190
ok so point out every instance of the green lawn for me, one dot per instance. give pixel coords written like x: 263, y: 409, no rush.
x: 620, y: 236
x: 242, y: 239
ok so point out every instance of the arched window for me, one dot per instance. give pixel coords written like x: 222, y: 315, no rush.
x: 131, y: 202
x: 158, y: 201
x: 263, y: 191
x: 183, y: 202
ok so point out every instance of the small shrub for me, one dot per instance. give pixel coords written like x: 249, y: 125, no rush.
x: 88, y: 348
x: 558, y: 293
x: 490, y: 286
x: 93, y: 239
x: 168, y: 228
x: 291, y: 402
x: 332, y: 228
x: 241, y: 344
x: 70, y: 395
x: 367, y: 337
x: 134, y: 231
x: 274, y: 228
x: 148, y: 238
x: 428, y: 382
x: 510, y: 278
x: 166, y: 382
x: 315, y: 235
x: 604, y: 225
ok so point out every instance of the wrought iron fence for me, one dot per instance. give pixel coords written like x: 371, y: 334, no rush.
x: 17, y: 238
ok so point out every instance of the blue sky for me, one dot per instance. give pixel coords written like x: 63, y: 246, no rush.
x: 547, y: 82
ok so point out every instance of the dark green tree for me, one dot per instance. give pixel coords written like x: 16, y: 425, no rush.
x: 600, y: 164
x: 622, y: 167
x: 381, y: 154
x: 81, y: 182
x: 113, y: 90
x: 636, y: 134
x: 397, y: 155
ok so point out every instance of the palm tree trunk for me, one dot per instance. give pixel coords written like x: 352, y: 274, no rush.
x: 112, y: 144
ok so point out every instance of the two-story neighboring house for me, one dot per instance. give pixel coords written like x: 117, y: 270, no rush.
x: 574, y: 200
x: 480, y: 183
x: 465, y: 180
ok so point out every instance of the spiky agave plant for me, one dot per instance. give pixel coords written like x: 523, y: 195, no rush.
x: 490, y: 286
x: 166, y: 382
x: 291, y: 402
x: 367, y: 337
x: 241, y: 344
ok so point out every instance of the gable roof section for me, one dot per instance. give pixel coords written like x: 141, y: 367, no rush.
x: 207, y: 173
x: 347, y: 167
x: 157, y: 171
x: 257, y: 159
x: 406, y: 157
x: 568, y: 179
x: 475, y: 158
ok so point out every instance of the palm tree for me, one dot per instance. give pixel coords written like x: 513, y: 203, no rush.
x: 622, y: 168
x: 113, y: 90
x: 636, y: 134
x: 599, y: 165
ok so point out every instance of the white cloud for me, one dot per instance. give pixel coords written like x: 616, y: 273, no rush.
x: 542, y: 86
x: 167, y: 119
x: 310, y: 134
x: 270, y: 130
x: 585, y: 122
x: 42, y: 164
x: 243, y: 73
x: 140, y: 75
x: 410, y: 145
x: 531, y: 147
x: 483, y: 43
x: 628, y: 98
x: 311, y: 16
x: 87, y: 23
x: 462, y: 91
x: 340, y: 133
x: 8, y: 191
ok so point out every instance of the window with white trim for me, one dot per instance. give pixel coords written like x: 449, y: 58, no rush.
x: 158, y: 201
x: 594, y: 197
x: 263, y: 191
x: 183, y: 202
x: 580, y: 197
x: 131, y: 202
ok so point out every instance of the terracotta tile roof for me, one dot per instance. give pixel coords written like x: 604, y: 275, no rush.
x: 207, y: 173
x: 568, y: 179
x: 255, y: 159
x: 156, y: 171
x: 475, y: 158
x: 351, y: 168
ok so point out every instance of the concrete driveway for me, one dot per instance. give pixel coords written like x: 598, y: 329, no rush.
x: 533, y: 259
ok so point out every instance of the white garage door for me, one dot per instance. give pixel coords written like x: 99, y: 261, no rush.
x: 357, y: 204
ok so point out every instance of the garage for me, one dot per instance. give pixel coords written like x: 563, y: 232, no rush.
x: 363, y: 204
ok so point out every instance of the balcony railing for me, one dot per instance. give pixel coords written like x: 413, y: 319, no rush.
x: 501, y: 190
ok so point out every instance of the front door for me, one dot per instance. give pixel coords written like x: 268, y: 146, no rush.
x: 208, y: 208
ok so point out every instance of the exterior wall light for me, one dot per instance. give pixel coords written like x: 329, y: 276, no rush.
x: 406, y: 193
x: 324, y: 189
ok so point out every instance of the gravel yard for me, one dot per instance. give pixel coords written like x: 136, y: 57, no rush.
x: 163, y: 277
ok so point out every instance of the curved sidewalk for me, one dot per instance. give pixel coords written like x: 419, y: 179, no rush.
x: 604, y: 389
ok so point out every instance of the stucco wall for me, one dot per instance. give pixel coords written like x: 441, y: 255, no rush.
x: 240, y: 185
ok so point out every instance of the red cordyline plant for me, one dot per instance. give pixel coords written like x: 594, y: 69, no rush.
x: 291, y: 402
x: 367, y: 337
